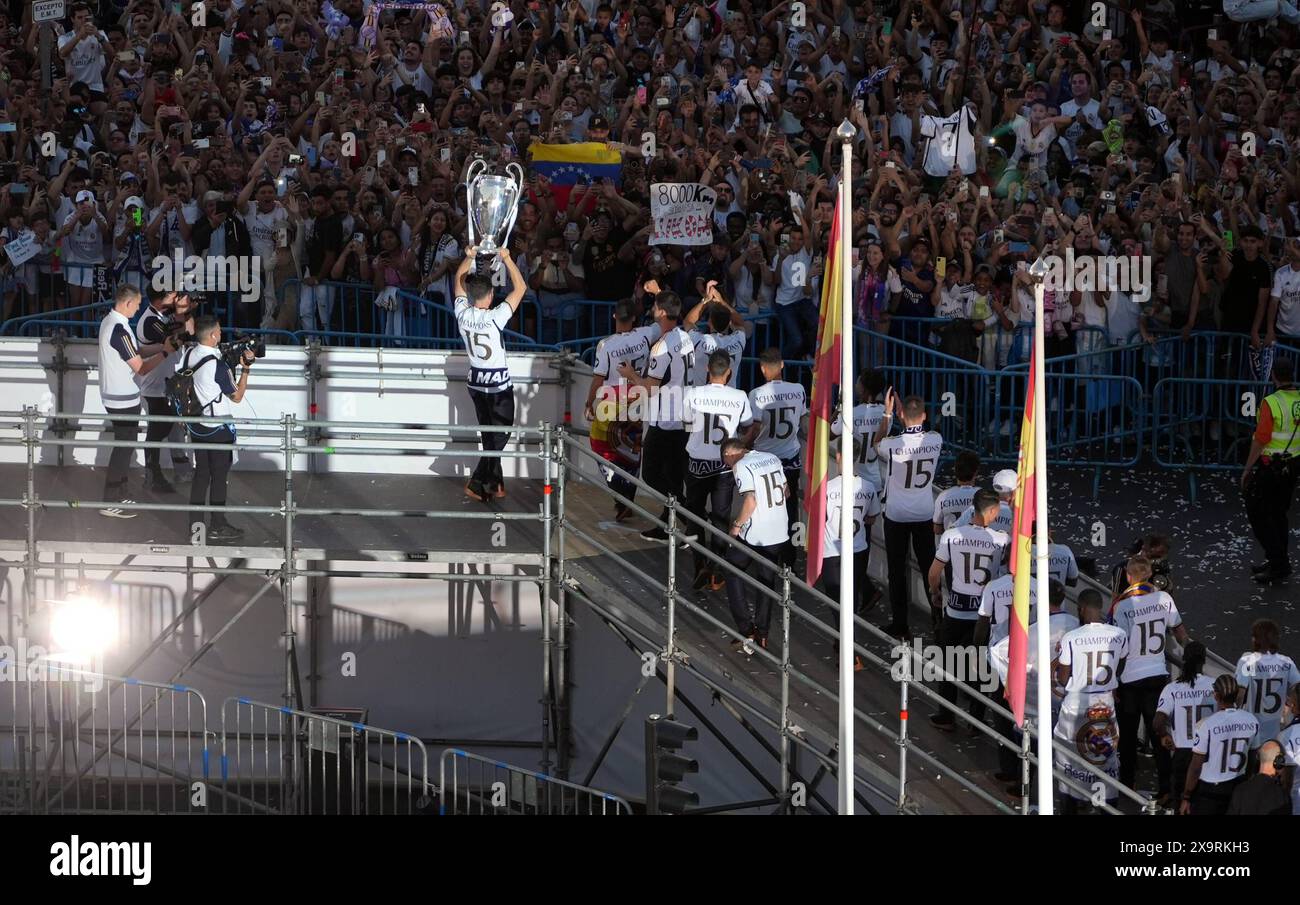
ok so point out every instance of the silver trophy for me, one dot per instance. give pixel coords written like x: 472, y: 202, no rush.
x: 493, y: 204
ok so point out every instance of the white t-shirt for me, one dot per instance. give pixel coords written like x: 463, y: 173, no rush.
x: 866, y: 506
x: 1027, y: 143
x: 1147, y: 618
x: 1093, y: 652
x: 481, y: 329
x: 672, y: 361
x: 972, y: 557
x: 706, y: 344
x: 762, y: 475
x: 631, y: 348
x: 780, y: 406
x: 996, y: 602
x: 911, y: 461
x: 1186, y: 705
x: 1061, y: 565
x: 794, y: 277
x: 956, y: 301
x: 263, y: 229
x: 713, y: 414
x: 1075, y: 131
x: 1224, y: 739
x: 1286, y: 289
x: 1266, y: 678
x: 86, y: 62
x: 952, y: 503
x: 866, y: 418
x: 1289, y: 739
x: 952, y: 143
x: 85, y: 244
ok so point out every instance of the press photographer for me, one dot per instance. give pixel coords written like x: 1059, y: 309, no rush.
x: 205, y: 386
x: 169, y: 316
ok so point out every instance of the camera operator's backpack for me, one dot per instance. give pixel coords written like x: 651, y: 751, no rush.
x: 180, y: 388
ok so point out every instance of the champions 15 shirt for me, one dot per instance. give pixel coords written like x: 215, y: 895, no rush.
x: 482, y: 330
x: 911, y: 460
x: 779, y: 405
x: 972, y: 556
x: 763, y: 475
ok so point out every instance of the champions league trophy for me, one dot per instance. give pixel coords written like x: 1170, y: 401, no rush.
x: 493, y: 204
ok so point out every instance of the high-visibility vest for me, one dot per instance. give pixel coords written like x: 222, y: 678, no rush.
x: 1285, y: 406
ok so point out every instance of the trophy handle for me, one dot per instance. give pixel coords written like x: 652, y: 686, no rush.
x: 472, y: 172
x: 515, y: 171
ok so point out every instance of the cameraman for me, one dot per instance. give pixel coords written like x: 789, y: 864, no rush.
x: 168, y: 315
x: 216, y: 389
x: 1154, y: 547
x: 1269, y: 479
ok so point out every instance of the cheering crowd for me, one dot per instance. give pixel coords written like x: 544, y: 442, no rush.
x: 328, y: 142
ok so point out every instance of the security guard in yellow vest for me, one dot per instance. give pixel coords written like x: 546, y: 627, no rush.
x: 1271, y: 471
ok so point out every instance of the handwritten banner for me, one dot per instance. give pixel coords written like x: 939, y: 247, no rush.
x: 683, y: 213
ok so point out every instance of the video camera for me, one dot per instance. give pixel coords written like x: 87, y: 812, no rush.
x: 232, y: 352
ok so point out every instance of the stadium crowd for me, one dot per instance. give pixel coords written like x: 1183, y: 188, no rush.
x: 329, y: 141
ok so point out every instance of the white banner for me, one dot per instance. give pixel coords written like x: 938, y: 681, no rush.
x: 683, y: 213
x: 22, y: 249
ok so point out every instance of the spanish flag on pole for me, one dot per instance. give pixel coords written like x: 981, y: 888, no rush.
x: 1021, y: 560
x: 826, y: 376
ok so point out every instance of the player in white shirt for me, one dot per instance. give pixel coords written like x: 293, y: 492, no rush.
x: 1004, y: 485
x: 867, y: 414
x: 762, y: 527
x: 1183, y: 703
x: 911, y: 462
x: 1289, y: 739
x: 481, y: 325
x: 995, y: 608
x: 999, y: 653
x: 1265, y: 676
x: 1220, y: 752
x: 969, y: 557
x: 954, y: 501
x: 1088, y: 666
x: 866, y: 507
x: 1061, y: 564
x: 1147, y: 615
x: 712, y: 414
x: 1284, y: 300
x: 611, y: 417
x: 727, y: 331
x: 666, y: 376
x: 781, y: 410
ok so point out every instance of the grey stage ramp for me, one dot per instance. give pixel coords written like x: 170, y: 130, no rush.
x: 412, y: 538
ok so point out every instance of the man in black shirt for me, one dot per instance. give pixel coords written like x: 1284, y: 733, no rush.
x: 1247, y: 279
x: 324, y: 242
x: 1263, y: 793
x: 606, y: 261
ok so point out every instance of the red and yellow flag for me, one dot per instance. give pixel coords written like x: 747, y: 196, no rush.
x: 1021, y: 560
x: 826, y: 376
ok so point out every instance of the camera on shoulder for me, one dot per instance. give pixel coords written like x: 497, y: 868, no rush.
x: 232, y: 351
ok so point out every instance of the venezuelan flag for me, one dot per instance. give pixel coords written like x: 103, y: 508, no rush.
x: 568, y: 165
x: 826, y: 377
x: 1022, y: 563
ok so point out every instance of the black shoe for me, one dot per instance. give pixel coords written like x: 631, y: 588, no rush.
x: 702, y: 581
x: 1272, y: 575
x: 159, y: 484
x: 657, y: 534
x: 224, y: 533
x: 901, y: 632
x: 476, y: 491
x: 942, y: 722
x: 1257, y: 568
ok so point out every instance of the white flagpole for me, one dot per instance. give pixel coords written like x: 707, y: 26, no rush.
x: 846, y: 132
x: 1046, y: 803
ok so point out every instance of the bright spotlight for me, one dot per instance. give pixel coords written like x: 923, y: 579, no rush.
x: 81, y: 628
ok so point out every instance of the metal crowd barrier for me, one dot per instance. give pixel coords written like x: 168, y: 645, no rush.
x: 78, y: 741
x: 470, y: 784
x: 283, y: 761
x: 1204, y: 424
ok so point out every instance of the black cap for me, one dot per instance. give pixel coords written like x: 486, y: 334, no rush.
x: 597, y: 122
